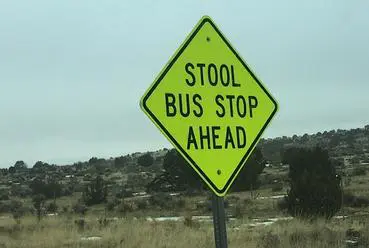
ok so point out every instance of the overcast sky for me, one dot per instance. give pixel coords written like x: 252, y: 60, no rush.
x: 72, y: 72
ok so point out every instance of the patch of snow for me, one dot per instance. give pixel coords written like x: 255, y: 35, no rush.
x: 351, y: 242
x: 52, y: 214
x: 203, y: 218
x: 265, y: 223
x: 340, y: 217
x: 142, y: 196
x: 174, y: 194
x: 271, y: 197
x: 160, y: 219
x: 143, y: 193
x: 200, y: 218
x: 91, y: 238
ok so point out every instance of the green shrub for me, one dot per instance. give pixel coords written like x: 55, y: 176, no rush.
x: 237, y: 211
x: 20, y: 190
x: 110, y: 206
x: 123, y: 193
x: 277, y: 187
x: 161, y: 200
x: 189, y: 222
x: 125, y: 207
x: 180, y: 203
x: 232, y: 198
x: 52, y: 207
x: 226, y: 203
x: 4, y: 196
x: 282, y: 204
x: 142, y: 204
x: 315, y: 188
x: 354, y: 201
x: 203, y: 206
x: 5, y: 207
x: 145, y: 160
x: 17, y: 210
x: 65, y: 209
x: 79, y: 208
x: 39, y: 205
x: 95, y: 192
x: 80, y: 223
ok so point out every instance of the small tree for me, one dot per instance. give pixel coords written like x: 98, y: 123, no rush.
x: 122, y: 161
x: 49, y: 189
x: 17, y: 209
x: 38, y: 204
x: 40, y: 167
x: 4, y: 195
x: 145, y: 160
x: 52, y: 207
x: 248, y: 178
x: 314, y: 185
x: 79, y: 208
x: 178, y: 174
x: 11, y: 169
x: 96, y: 192
x: 20, y: 165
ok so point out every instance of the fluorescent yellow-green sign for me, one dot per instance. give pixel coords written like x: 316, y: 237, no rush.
x: 210, y: 106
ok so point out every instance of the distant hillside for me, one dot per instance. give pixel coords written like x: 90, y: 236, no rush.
x: 350, y: 146
x: 132, y: 173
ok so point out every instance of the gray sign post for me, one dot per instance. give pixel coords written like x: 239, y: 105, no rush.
x: 219, y: 221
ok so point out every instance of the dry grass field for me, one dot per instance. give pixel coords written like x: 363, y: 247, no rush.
x: 102, y: 228
x: 63, y: 231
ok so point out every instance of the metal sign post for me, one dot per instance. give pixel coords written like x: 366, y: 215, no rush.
x: 219, y: 221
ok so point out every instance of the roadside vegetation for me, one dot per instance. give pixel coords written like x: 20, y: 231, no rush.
x: 300, y: 191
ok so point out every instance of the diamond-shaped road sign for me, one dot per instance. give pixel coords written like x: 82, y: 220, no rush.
x: 210, y: 106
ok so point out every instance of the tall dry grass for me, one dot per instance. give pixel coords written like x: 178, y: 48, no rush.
x: 62, y: 231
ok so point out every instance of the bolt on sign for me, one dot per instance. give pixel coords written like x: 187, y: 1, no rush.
x: 210, y: 105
